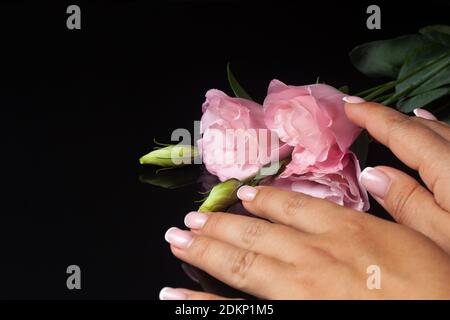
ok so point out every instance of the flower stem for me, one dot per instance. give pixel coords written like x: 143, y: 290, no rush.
x: 373, y: 94
x: 387, y: 86
x: 413, y: 86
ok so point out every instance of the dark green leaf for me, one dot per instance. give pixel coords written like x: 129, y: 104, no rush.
x: 437, y: 33
x: 419, y: 58
x: 384, y: 58
x: 422, y: 100
x: 361, y: 147
x: 235, y: 86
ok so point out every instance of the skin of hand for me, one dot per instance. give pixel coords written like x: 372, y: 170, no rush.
x: 315, y: 249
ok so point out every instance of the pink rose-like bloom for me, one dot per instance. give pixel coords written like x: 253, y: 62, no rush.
x: 341, y: 187
x: 221, y: 152
x: 311, y: 119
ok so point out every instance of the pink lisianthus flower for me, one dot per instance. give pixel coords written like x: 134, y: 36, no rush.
x: 312, y: 119
x: 341, y: 186
x: 236, y: 142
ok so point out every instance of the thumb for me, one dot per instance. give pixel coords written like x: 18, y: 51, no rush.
x: 408, y: 202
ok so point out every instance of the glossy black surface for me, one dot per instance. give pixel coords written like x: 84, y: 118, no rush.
x: 78, y: 108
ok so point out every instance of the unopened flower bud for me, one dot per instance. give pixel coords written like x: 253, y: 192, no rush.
x: 221, y: 196
x: 171, y: 156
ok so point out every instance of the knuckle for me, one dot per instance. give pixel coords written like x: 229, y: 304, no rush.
x: 441, y: 194
x: 264, y: 196
x: 241, y: 265
x: 213, y: 223
x: 437, y: 179
x: 252, y: 232
x: 293, y: 204
x: 200, y: 249
x: 356, y: 227
x: 401, y: 208
x: 397, y: 127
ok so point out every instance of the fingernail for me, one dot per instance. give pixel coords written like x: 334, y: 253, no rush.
x: 171, y: 294
x: 422, y: 113
x: 246, y: 193
x: 375, y: 181
x: 353, y: 99
x: 179, y: 238
x: 195, y: 220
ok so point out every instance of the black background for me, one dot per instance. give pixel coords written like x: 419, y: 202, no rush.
x: 79, y: 107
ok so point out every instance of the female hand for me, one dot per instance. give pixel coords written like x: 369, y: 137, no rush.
x: 423, y: 144
x: 317, y: 249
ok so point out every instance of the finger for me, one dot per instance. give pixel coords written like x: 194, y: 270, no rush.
x: 440, y: 128
x: 413, y: 143
x: 274, y: 240
x: 294, y: 209
x: 185, y: 294
x: 408, y: 202
x: 242, y: 269
x: 212, y: 285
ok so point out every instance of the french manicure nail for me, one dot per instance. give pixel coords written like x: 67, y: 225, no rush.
x: 422, y: 113
x: 171, y: 294
x: 246, y: 193
x: 195, y: 220
x: 179, y: 238
x: 353, y: 99
x: 375, y: 181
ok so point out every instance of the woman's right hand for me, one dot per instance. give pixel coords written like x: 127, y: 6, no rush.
x: 423, y: 144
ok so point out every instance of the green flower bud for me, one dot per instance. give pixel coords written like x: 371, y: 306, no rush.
x: 221, y: 196
x: 171, y: 156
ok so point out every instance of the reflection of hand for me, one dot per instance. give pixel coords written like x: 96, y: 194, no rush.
x: 317, y: 249
x: 210, y: 284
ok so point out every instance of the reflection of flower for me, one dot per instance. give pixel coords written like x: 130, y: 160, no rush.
x: 207, y: 181
x: 341, y: 186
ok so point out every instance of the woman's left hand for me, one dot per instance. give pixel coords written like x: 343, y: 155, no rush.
x: 313, y: 249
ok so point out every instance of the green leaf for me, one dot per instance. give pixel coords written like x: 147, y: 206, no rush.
x: 361, y: 148
x: 419, y: 58
x: 344, y: 89
x: 384, y: 58
x: 422, y: 100
x: 235, y: 86
x: 437, y: 33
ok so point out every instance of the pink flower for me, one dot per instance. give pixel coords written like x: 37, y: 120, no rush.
x: 236, y: 142
x: 341, y: 187
x: 311, y: 119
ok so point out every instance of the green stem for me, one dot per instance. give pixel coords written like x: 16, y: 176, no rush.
x: 413, y: 86
x: 387, y: 86
x: 381, y: 98
x: 366, y: 92
x: 373, y: 93
x: 426, y: 65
